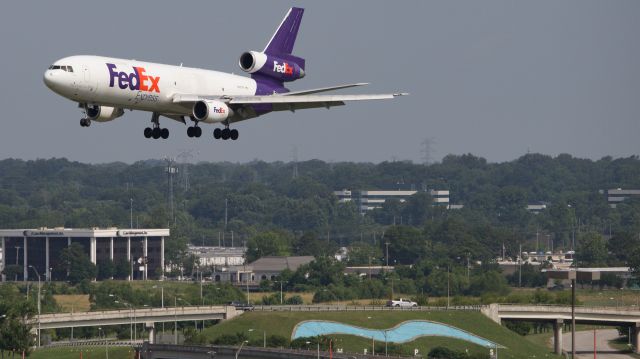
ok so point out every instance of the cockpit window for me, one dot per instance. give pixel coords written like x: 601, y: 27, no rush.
x: 64, y: 68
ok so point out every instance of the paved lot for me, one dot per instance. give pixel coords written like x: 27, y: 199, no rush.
x: 584, y: 344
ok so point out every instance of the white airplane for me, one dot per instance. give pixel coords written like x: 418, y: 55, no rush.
x: 104, y: 87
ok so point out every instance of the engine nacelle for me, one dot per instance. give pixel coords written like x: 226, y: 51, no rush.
x: 284, y: 69
x: 103, y: 113
x: 210, y: 111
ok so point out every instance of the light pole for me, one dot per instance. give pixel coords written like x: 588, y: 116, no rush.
x: 264, y: 337
x: 387, y: 256
x: 39, y: 309
x: 130, y: 212
x: 106, y: 343
x: 161, y: 293
x: 239, y: 349
x: 130, y: 316
x: 162, y: 300
x: 17, y: 261
x: 280, y: 281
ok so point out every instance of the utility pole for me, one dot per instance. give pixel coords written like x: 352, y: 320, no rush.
x: 171, y: 170
x: 295, y: 161
x: 387, y: 256
x: 520, y: 265
x: 448, y: 270
x: 130, y: 212
x: 226, y: 206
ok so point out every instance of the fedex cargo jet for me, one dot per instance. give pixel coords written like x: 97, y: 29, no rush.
x: 104, y: 87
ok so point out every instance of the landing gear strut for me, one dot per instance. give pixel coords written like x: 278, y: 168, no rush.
x: 85, y: 122
x: 156, y: 132
x: 225, y: 133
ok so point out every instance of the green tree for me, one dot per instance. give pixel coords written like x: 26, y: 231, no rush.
x: 269, y: 244
x: 592, y: 250
x: 78, y: 263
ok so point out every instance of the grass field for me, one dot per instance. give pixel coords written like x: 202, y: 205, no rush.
x: 73, y: 302
x: 282, y: 323
x: 87, y: 353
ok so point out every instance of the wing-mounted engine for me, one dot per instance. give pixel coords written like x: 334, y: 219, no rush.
x: 211, y: 111
x: 103, y: 113
x: 283, y: 68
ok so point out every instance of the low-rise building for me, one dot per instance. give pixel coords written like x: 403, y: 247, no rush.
x: 218, y: 256
x: 368, y: 200
x: 265, y: 268
x: 619, y: 195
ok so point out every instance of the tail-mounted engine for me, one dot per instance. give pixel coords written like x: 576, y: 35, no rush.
x: 288, y: 68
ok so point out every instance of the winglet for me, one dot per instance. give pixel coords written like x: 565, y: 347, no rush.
x: 284, y: 38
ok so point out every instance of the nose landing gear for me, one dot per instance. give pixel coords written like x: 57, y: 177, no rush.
x: 85, y: 122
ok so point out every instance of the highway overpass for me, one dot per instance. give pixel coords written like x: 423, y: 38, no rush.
x: 558, y: 315
x: 147, y: 316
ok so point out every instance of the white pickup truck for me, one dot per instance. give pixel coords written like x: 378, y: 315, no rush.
x: 401, y: 303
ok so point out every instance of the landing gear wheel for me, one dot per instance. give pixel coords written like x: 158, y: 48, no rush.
x: 85, y: 122
x: 226, y: 133
x: 234, y: 134
x: 197, y: 131
x: 217, y: 133
x: 148, y: 132
x: 190, y: 131
x: 164, y: 133
x: 155, y: 133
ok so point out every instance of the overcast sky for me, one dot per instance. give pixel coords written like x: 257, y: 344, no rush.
x: 492, y: 78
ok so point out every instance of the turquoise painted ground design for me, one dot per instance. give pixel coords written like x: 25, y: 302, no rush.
x: 402, y: 333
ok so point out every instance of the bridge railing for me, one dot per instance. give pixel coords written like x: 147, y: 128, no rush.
x: 354, y: 308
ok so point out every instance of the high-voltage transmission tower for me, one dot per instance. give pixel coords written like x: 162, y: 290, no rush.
x: 184, y: 158
x: 427, y: 150
x: 170, y: 170
x: 294, y: 155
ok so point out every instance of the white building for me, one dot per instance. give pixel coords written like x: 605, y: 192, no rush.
x: 37, y: 251
x: 370, y: 200
x: 219, y: 256
x: 618, y: 195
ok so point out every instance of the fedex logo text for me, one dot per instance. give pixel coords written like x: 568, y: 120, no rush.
x: 285, y: 68
x: 137, y: 80
x: 218, y: 110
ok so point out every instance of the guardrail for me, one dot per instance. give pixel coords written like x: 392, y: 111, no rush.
x: 354, y: 308
x: 94, y: 343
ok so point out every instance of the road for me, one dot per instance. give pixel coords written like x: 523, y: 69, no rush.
x: 584, y: 344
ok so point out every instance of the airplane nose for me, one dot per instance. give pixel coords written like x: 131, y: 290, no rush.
x: 52, y: 79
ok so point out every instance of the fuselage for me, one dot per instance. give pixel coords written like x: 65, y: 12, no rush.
x: 139, y: 85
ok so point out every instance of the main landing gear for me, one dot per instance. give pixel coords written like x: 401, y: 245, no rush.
x: 225, y: 134
x: 156, y: 132
x: 194, y: 131
x: 85, y: 122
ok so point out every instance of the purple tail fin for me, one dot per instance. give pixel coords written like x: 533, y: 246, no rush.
x: 284, y: 38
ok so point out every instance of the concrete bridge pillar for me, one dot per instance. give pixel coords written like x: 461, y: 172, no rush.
x: 152, y: 332
x: 557, y: 336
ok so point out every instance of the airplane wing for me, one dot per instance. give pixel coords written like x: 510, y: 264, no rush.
x: 323, y: 89
x: 296, y: 99
x: 284, y: 102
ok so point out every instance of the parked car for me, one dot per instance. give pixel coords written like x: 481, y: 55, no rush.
x: 401, y: 303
